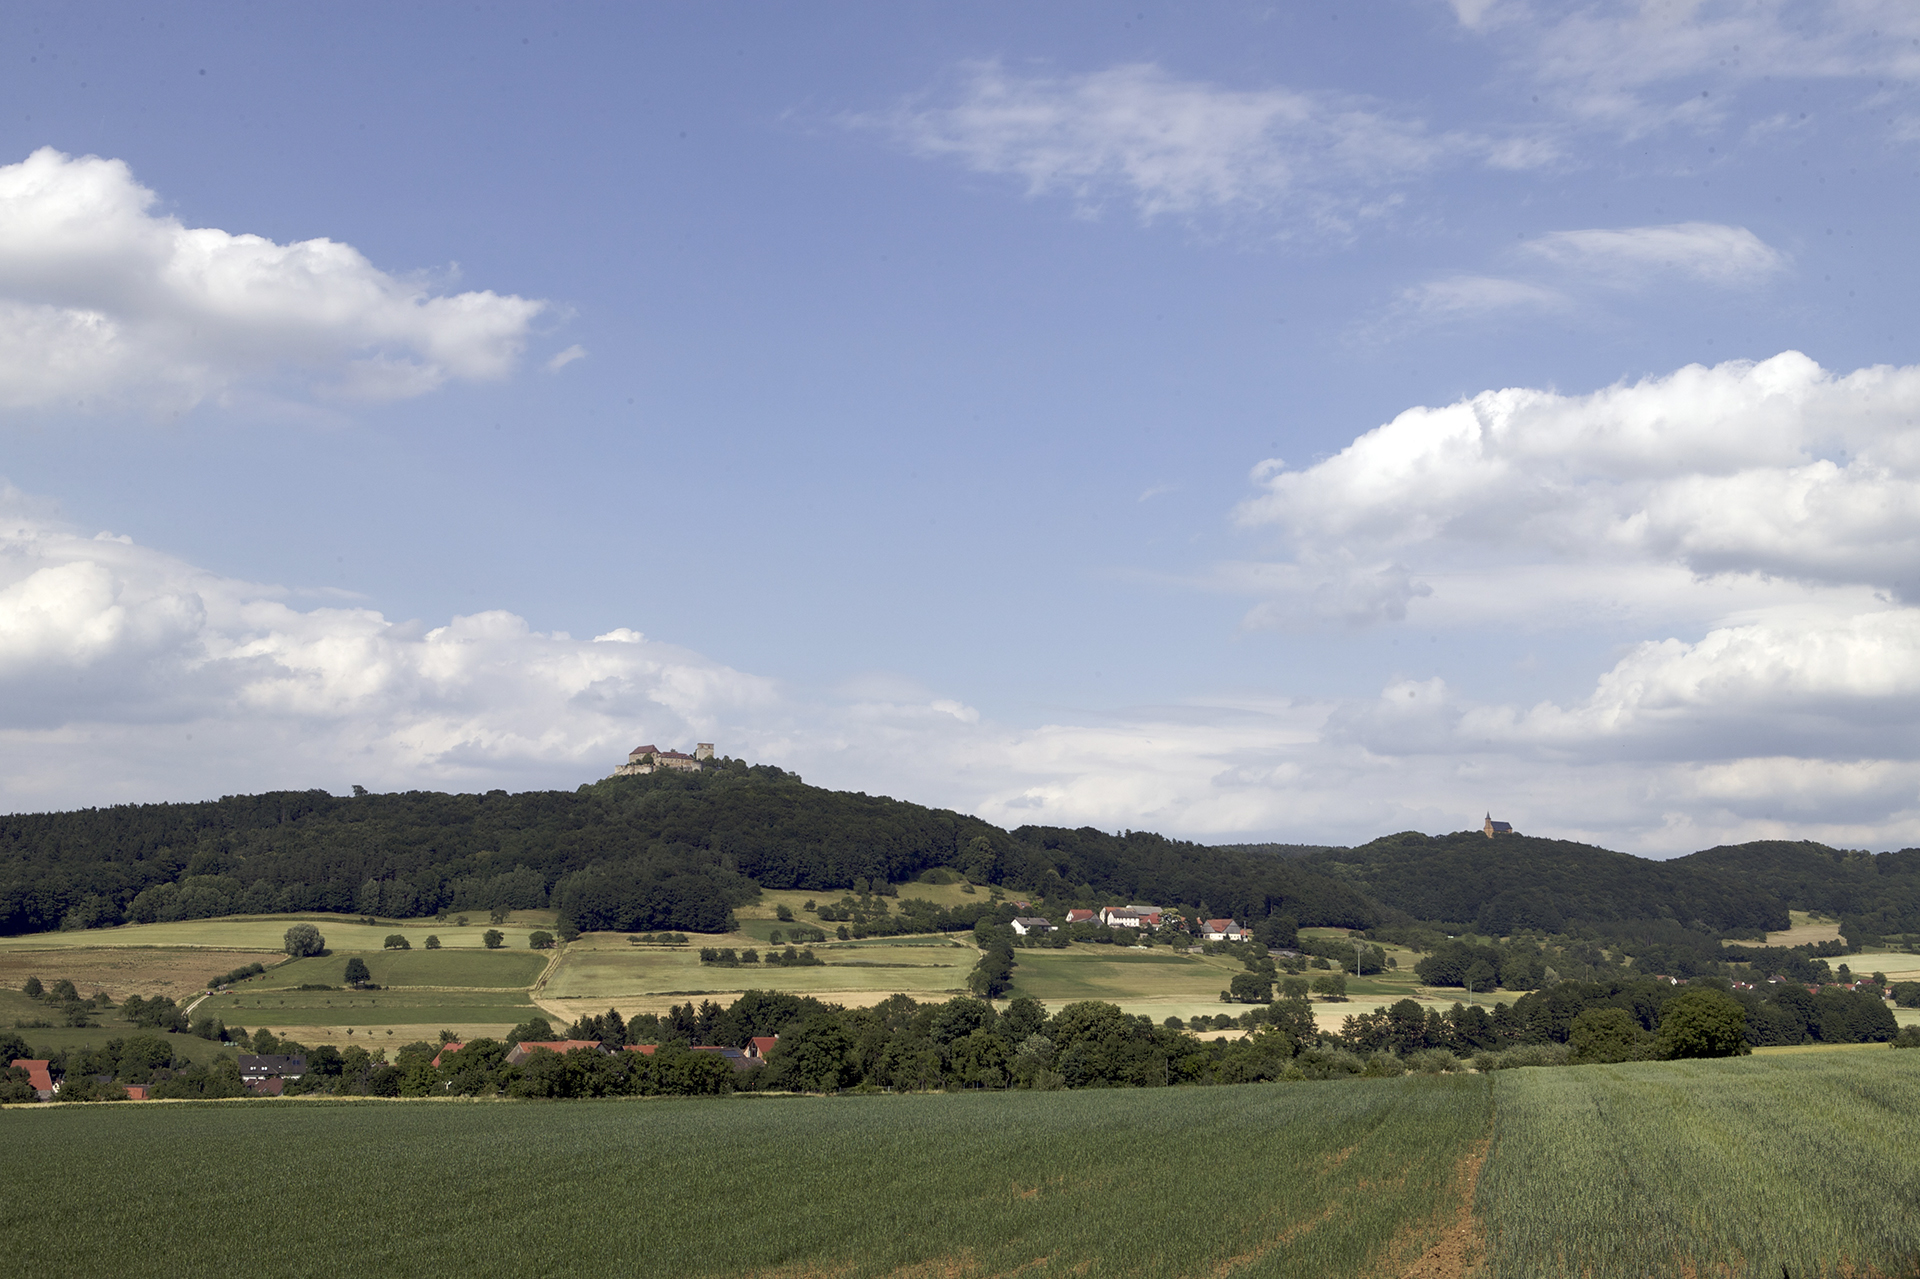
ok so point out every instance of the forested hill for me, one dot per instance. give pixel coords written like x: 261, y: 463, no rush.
x: 1872, y: 894
x: 1516, y: 882
x: 669, y: 850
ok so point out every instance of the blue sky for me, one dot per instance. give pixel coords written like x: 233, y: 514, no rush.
x: 1301, y: 422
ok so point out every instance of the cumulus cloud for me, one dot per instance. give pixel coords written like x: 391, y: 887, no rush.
x: 104, y: 300
x: 1303, y: 160
x: 1777, y: 468
x: 129, y: 674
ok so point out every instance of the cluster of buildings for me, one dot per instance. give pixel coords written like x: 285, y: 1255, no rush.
x: 650, y: 758
x: 754, y: 1054
x: 1144, y: 917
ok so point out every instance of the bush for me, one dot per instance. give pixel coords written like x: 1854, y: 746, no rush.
x: 540, y: 939
x: 1909, y: 1037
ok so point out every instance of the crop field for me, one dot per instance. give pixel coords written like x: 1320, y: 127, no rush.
x: 1347, y: 1180
x: 643, y: 979
x: 268, y: 933
x: 327, y: 1014
x: 475, y: 969
x: 121, y: 971
x: 1797, y: 1164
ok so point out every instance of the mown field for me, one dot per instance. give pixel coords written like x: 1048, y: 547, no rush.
x: 1325, y: 1181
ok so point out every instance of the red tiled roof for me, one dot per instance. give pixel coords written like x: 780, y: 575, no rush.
x: 645, y: 1049
x: 39, y: 1073
x: 444, y: 1050
x: 1079, y: 916
x: 761, y: 1045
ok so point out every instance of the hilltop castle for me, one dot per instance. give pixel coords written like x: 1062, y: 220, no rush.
x: 1493, y: 828
x: 645, y: 759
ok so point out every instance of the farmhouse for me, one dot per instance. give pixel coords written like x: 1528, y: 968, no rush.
x: 650, y: 758
x: 258, y: 1068
x: 1079, y: 917
x: 732, y: 1056
x: 1223, y: 930
x: 523, y: 1050
x: 1129, y: 917
x: 446, y: 1050
x: 1028, y: 924
x: 760, y: 1045
x: 39, y: 1075
x: 1493, y: 828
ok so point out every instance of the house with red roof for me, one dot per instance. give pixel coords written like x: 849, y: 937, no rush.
x: 1223, y: 930
x: 39, y: 1075
x: 446, y: 1050
x: 1079, y: 917
x: 760, y: 1045
x: 521, y: 1051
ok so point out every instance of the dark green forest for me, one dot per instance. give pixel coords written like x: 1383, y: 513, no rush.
x: 682, y: 850
x: 663, y: 851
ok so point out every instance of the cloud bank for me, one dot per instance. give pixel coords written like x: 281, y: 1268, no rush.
x: 105, y: 302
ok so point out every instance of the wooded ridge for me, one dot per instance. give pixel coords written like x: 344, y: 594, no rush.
x: 680, y: 850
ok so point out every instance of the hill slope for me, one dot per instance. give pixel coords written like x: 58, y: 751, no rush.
x: 1519, y: 882
x: 670, y: 850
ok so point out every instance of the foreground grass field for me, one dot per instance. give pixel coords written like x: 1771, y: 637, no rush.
x: 1796, y: 1164
x: 1325, y: 1181
x: 1801, y: 1164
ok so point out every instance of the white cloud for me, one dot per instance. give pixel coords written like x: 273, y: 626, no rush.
x: 130, y: 675
x: 1638, y: 64
x: 1184, y: 148
x: 1777, y: 469
x: 1703, y: 251
x: 1472, y: 296
x: 566, y: 357
x: 104, y: 301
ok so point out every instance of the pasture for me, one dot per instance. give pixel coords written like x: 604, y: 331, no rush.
x: 1337, y: 1180
x: 122, y: 970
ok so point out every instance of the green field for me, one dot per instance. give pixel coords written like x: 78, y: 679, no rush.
x: 481, y: 969
x: 429, y: 1009
x: 1323, y: 1181
x: 1776, y: 1165
x: 1804, y: 1164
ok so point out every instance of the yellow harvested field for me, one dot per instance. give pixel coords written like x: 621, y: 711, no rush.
x: 120, y: 971
x: 268, y: 933
x: 1807, y: 930
x: 652, y: 979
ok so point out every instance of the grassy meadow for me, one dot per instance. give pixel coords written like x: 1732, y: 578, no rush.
x: 1348, y: 1180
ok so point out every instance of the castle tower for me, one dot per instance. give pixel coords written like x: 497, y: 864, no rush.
x: 703, y: 750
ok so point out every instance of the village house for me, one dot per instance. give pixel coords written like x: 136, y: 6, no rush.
x: 1130, y: 917
x: 446, y: 1050
x: 760, y: 1045
x: 524, y: 1049
x: 734, y: 1057
x: 1493, y: 828
x: 1079, y: 917
x: 1029, y: 924
x: 39, y: 1076
x: 649, y: 758
x: 1223, y: 930
x: 258, y: 1068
